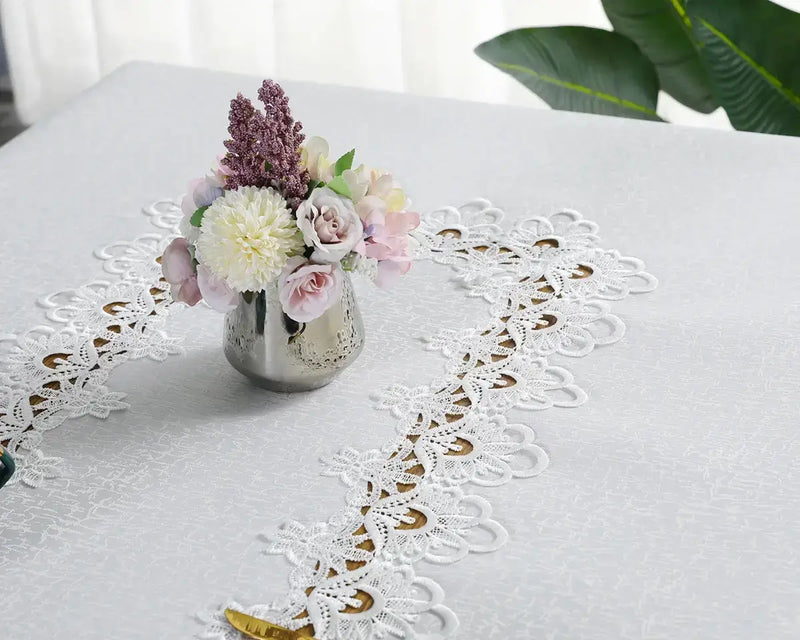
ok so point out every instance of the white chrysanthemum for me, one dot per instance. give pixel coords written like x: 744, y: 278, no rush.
x: 247, y: 236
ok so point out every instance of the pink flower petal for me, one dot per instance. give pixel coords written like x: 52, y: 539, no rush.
x: 189, y: 292
x: 176, y: 262
x: 216, y: 291
x: 187, y: 204
x: 371, y: 210
x: 389, y: 271
x: 400, y: 222
x: 306, y: 290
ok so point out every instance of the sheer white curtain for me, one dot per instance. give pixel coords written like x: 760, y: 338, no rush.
x: 56, y: 48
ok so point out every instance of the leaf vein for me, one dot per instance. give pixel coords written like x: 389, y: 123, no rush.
x: 579, y: 88
x: 792, y: 97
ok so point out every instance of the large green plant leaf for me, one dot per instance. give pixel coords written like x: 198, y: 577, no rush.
x: 752, y: 51
x: 578, y: 69
x: 662, y: 30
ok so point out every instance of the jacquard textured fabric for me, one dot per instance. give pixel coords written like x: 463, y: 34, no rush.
x: 668, y: 506
x: 545, y: 280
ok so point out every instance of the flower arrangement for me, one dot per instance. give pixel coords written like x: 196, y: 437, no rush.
x: 276, y: 210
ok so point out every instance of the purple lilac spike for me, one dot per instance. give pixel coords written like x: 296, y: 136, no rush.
x: 264, y: 149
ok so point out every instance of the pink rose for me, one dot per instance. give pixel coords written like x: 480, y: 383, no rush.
x: 216, y: 291
x: 176, y: 265
x: 306, y: 290
x: 330, y: 224
x: 387, y: 239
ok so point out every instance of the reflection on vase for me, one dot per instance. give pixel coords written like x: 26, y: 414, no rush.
x: 280, y: 354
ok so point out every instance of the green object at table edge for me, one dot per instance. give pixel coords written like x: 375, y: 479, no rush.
x: 7, y: 468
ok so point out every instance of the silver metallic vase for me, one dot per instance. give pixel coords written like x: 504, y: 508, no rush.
x: 280, y: 354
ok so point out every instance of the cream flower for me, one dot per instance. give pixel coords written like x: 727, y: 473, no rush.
x: 357, y: 181
x: 314, y: 156
x: 247, y: 236
x: 363, y: 181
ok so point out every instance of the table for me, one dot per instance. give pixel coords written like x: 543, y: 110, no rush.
x: 670, y: 507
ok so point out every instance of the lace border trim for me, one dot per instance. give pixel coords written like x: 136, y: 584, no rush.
x: 549, y: 287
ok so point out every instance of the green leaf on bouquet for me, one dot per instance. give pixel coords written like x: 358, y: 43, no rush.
x: 340, y: 186
x: 344, y: 163
x: 197, y: 217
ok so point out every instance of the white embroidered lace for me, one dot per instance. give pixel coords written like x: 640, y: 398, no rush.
x: 52, y: 373
x: 548, y: 285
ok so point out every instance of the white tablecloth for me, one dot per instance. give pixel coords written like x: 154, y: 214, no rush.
x: 670, y: 507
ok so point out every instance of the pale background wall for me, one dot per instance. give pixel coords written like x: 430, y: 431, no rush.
x: 56, y: 48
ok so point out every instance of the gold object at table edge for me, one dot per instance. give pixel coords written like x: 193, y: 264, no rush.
x: 260, y: 629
